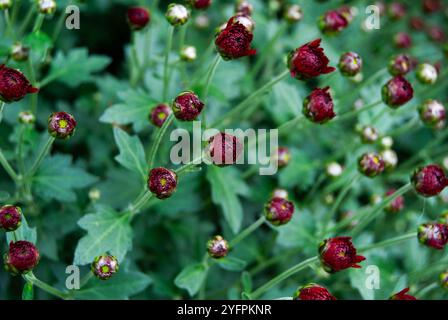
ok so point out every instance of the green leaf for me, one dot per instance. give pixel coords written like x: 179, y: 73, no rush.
x: 57, y: 178
x: 133, y: 109
x: 132, y: 154
x: 76, y: 67
x: 107, y: 232
x: 39, y: 43
x: 24, y: 232
x: 299, y: 172
x: 191, y: 278
x: 121, y: 286
x: 232, y: 264
x: 28, y: 292
x: 225, y: 190
x: 246, y: 281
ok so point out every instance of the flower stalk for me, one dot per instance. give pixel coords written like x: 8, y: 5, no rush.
x: 41, y: 156
x: 166, y: 72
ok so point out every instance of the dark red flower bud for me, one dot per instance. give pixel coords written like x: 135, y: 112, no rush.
x: 350, y: 64
x: 187, y: 106
x: 313, y: 291
x: 22, y: 257
x: 396, y: 92
x: 338, y: 253
x: 159, y: 114
x: 104, y: 266
x: 431, y: 6
x: 244, y: 7
x: 399, y: 65
x: 14, y: 86
x: 436, y: 34
x: 397, y: 10
x: 224, y: 149
x: 279, y: 211
x: 217, y: 247
x: 10, y: 218
x: 309, y: 61
x: 200, y: 4
x: 234, y: 40
x: 433, y: 234
x: 332, y: 22
x: 318, y: 106
x: 347, y: 12
x: 371, y: 164
x: 397, y: 204
x: 444, y: 279
x: 417, y: 23
x: 429, y: 181
x: 283, y: 156
x: 61, y: 125
x: 432, y: 113
x: 402, y: 40
x: 138, y: 17
x: 162, y: 182
x: 402, y: 295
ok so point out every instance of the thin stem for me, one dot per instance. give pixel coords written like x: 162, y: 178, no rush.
x: 86, y: 279
x: 158, y: 138
x: 38, y: 23
x: 189, y: 165
x: 43, y: 152
x: 59, y: 25
x: 166, y: 73
x: 353, y: 113
x: 44, y: 286
x: 210, y: 74
x: 364, y: 84
x: 246, y: 232
x: 140, y: 202
x: 2, y: 107
x: 9, y: 27
x: 389, y: 242
x: 8, y: 167
x: 27, y: 19
x: 250, y: 99
x: 283, y: 276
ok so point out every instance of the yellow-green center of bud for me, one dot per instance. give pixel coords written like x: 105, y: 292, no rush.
x: 161, y: 116
x: 63, y: 124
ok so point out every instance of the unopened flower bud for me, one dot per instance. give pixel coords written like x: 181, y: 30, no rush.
x: 202, y: 21
x: 14, y: 86
x: 61, y: 125
x: 200, y: 4
x: 283, y: 156
x: 432, y: 113
x: 5, y: 4
x: 244, y: 7
x: 399, y: 65
x: 159, y: 114
x: 426, y: 73
x: 429, y: 181
x: 177, y: 14
x: 350, y: 64
x: 22, y: 257
x: 187, y: 106
x: 369, y: 134
x: 338, y: 253
x: 47, y: 6
x: 397, y: 10
x: 433, y: 235
x: 332, y: 22
x: 279, y: 211
x: 138, y: 17
x: 217, y: 247
x: 234, y: 41
x: 396, y: 92
x: 10, y: 218
x: 390, y: 159
x: 162, y: 182
x: 318, y: 106
x: 444, y: 279
x: 19, y: 53
x: 397, y: 204
x: 313, y: 291
x: 188, y: 53
x: 386, y: 142
x: 402, y: 40
x: 371, y: 164
x: 224, y: 149
x: 334, y: 169
x: 104, y: 266
x: 94, y: 194
x: 293, y: 13
x: 26, y: 117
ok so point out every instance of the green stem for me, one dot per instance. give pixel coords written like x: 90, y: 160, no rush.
x: 389, y: 242
x: 140, y: 202
x: 43, y: 152
x: 86, y: 279
x: 353, y: 113
x: 158, y: 138
x: 364, y: 84
x: 246, y: 232
x: 250, y: 99
x: 44, y: 286
x: 283, y: 276
x: 166, y: 73
x: 188, y: 165
x: 9, y: 27
x: 59, y: 25
x: 2, y: 107
x: 8, y: 167
x: 210, y: 74
x: 135, y: 64
x: 38, y: 23
x: 27, y: 20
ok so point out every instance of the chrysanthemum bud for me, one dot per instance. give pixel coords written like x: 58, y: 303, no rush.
x: 21, y: 258
x: 436, y: 34
x: 426, y: 73
x: 432, y: 113
x: 313, y: 291
x: 14, y: 86
x: 386, y: 142
x: 279, y: 211
x: 350, y: 64
x: 444, y: 279
x: 104, y: 267
x: 334, y: 169
x: 5, y: 4
x: 200, y: 4
x: 245, y: 20
x: 396, y: 92
x: 234, y: 41
x: 244, y: 7
x: 397, y: 204
x: 318, y: 106
x: 94, y: 194
x: 61, y: 125
x: 399, y: 65
x: 293, y: 13
x: 402, y: 295
x: 375, y: 199
x: 349, y: 12
x: 10, y: 217
x: 390, y: 159
x: 402, y: 40
x: 138, y: 17
x: 187, y: 106
x: 19, y: 53
x: 433, y: 235
x: 397, y: 10
x: 338, y: 253
x: 369, y: 134
x: 26, y: 117
x: 162, y: 182
x: 188, y: 53
x: 224, y: 149
x: 202, y: 21
x: 283, y: 156
x: 371, y: 164
x: 332, y: 22
x: 309, y: 61
x: 217, y: 247
x: 159, y: 114
x: 280, y: 193
x: 429, y: 181
x: 177, y: 14
x: 431, y: 6
x: 417, y: 23
x: 47, y: 6
x: 329, y: 199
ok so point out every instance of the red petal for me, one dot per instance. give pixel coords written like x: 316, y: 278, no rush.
x: 33, y: 90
